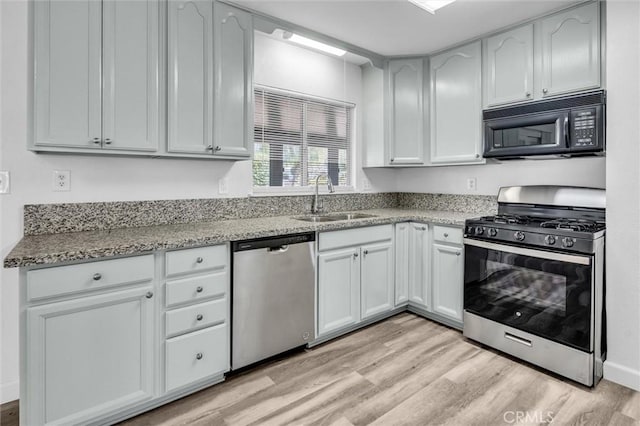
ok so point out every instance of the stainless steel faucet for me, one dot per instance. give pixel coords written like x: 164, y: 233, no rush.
x: 316, y: 206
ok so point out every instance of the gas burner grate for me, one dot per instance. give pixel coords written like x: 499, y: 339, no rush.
x: 508, y: 219
x: 577, y: 225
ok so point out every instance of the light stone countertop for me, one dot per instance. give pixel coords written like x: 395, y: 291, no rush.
x: 88, y: 245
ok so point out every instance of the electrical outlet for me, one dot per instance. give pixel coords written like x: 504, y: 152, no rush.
x: 472, y: 184
x: 223, y: 186
x: 61, y: 180
x: 5, y: 188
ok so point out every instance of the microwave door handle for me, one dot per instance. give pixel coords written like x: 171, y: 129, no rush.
x: 566, y: 131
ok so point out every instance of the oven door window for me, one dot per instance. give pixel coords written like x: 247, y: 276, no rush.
x: 546, y: 297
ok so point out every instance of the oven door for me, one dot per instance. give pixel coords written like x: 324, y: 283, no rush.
x: 531, y: 134
x: 548, y: 294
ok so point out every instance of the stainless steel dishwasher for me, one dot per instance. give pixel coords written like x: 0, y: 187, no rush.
x: 273, y: 296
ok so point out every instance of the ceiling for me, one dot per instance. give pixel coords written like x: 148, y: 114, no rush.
x: 397, y: 27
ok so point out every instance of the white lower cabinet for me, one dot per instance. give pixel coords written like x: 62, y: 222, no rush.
x: 355, y: 276
x: 430, y: 264
x: 448, y: 271
x: 89, y: 356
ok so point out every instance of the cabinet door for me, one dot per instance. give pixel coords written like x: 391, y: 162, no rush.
x: 338, y: 289
x: 509, y: 66
x: 67, y: 43
x: 190, y: 76
x: 405, y: 111
x: 402, y: 263
x: 448, y: 268
x: 376, y: 279
x: 89, y: 356
x: 233, y: 50
x: 130, y: 66
x: 571, y: 50
x: 419, y: 266
x: 456, y: 114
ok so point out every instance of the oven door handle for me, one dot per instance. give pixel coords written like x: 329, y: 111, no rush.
x: 561, y: 257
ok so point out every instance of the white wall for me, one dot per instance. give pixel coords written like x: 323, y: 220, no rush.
x: 588, y: 171
x: 623, y: 193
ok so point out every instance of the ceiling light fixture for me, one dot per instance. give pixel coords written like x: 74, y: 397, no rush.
x: 431, y: 5
x: 295, y: 38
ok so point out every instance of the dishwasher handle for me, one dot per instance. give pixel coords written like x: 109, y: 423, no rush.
x: 277, y: 243
x: 282, y: 249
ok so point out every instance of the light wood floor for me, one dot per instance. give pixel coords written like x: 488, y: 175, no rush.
x: 405, y: 370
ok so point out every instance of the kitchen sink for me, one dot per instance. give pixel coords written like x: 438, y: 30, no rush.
x: 333, y: 217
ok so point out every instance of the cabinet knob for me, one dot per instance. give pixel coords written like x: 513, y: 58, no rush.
x: 218, y: 148
x: 199, y: 355
x: 528, y: 94
x: 199, y: 317
x: 365, y: 252
x: 457, y: 253
x: 149, y: 295
x: 545, y: 91
x: 355, y: 255
x: 97, y: 276
x: 96, y: 141
x: 446, y: 235
x: 423, y: 228
x: 477, y: 155
x: 199, y: 260
x: 391, y: 160
x: 199, y: 289
x: 210, y: 148
x: 108, y: 141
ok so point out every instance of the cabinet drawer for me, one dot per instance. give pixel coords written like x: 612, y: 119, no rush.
x: 196, y: 259
x: 196, y: 356
x: 65, y: 280
x: 202, y: 315
x: 354, y: 237
x: 196, y: 288
x: 447, y: 234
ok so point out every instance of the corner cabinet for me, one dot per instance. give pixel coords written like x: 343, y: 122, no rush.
x: 570, y: 56
x: 405, y: 111
x: 508, y: 62
x: 210, y: 95
x: 96, y: 81
x: 456, y: 114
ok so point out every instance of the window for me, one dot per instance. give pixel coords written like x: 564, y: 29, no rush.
x: 297, y: 138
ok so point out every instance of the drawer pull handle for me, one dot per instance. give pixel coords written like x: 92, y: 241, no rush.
x: 199, y: 355
x: 446, y: 235
x: 199, y: 317
x: 199, y: 260
x: 149, y: 294
x: 199, y: 289
x: 96, y: 277
x: 517, y: 339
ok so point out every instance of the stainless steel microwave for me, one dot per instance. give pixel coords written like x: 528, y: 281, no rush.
x: 566, y: 126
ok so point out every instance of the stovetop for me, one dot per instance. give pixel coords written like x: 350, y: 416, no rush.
x: 550, y: 232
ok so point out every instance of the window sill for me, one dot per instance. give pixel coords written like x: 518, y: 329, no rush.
x: 309, y: 190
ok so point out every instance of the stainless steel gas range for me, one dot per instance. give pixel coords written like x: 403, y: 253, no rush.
x: 534, y: 279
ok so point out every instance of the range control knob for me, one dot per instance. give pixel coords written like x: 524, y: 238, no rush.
x: 470, y: 230
x: 550, y: 240
x: 567, y: 242
x: 493, y: 232
x: 519, y: 235
x: 479, y: 230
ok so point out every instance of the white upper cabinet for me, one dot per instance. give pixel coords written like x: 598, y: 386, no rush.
x: 130, y: 68
x: 233, y: 107
x: 508, y: 66
x: 190, y: 77
x: 456, y: 105
x: 570, y: 56
x: 96, y: 68
x: 67, y: 43
x: 405, y: 108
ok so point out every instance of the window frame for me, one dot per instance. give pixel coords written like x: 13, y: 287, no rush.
x: 309, y: 187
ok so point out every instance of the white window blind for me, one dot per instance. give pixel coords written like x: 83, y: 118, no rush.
x: 297, y: 138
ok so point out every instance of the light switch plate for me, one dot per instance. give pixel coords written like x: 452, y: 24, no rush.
x: 5, y: 186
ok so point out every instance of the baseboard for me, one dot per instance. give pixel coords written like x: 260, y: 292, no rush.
x: 622, y: 375
x: 9, y: 392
